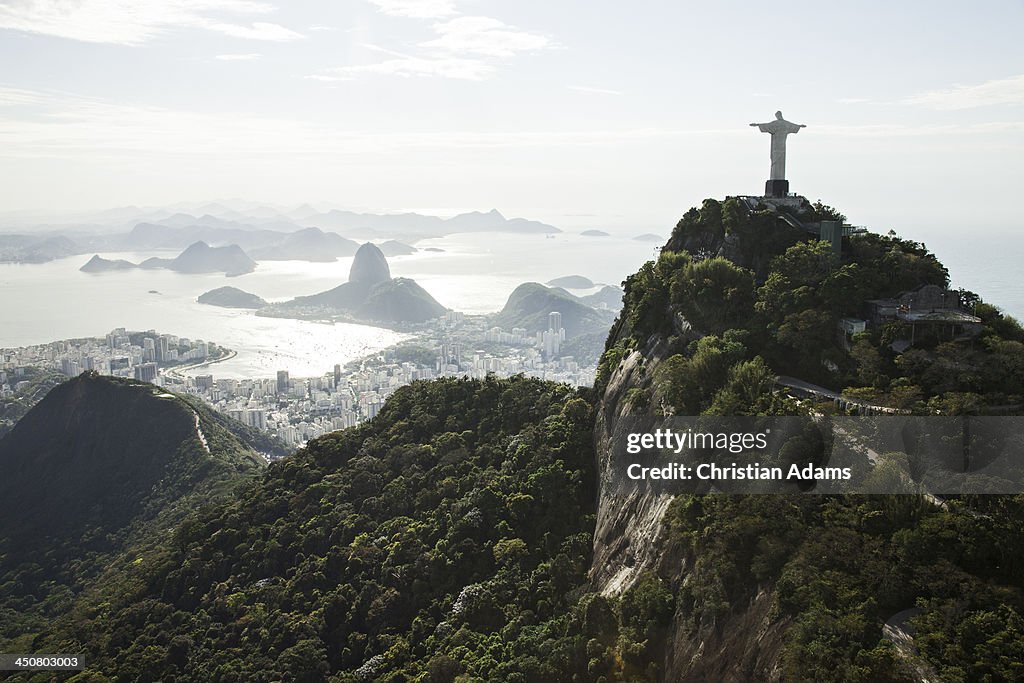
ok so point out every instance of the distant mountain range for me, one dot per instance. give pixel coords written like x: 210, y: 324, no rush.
x: 199, y: 257
x: 36, y: 248
x: 149, y: 236
x: 267, y: 234
x: 309, y: 244
x: 419, y: 226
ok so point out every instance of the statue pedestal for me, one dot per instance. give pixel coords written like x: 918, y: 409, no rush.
x: 776, y: 188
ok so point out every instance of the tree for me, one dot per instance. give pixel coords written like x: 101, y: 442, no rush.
x: 304, y: 662
x: 807, y: 333
x: 690, y: 382
x: 714, y: 294
x: 871, y: 367
x: 806, y: 263
x: 749, y: 382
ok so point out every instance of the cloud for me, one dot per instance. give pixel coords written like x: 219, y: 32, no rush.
x: 320, y: 27
x: 465, y: 48
x: 406, y: 66
x: 58, y: 125
x: 257, y: 31
x: 416, y: 9
x: 240, y: 57
x: 484, y: 36
x: 133, y: 22
x: 10, y: 97
x: 597, y: 91
x: 886, y: 130
x: 1000, y: 91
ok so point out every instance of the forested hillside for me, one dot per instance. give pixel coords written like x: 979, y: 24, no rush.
x: 451, y: 534
x: 468, y: 532
x: 99, y: 470
x: 801, y: 588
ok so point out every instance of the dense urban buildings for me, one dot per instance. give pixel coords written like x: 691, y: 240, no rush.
x: 297, y: 409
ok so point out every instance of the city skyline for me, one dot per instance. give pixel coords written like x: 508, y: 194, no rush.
x: 297, y: 407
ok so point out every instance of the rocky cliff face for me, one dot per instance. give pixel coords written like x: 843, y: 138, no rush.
x: 629, y: 541
x: 369, y: 266
x: 630, y: 538
x: 627, y: 536
x: 792, y: 587
x: 628, y: 524
x: 370, y: 294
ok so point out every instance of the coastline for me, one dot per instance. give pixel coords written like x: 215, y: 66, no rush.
x: 177, y: 370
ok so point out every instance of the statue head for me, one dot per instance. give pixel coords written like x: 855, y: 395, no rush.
x: 778, y: 115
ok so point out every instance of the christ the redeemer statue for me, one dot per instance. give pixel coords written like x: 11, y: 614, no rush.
x: 777, y: 185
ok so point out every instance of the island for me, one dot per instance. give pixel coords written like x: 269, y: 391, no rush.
x: 396, y: 248
x: 595, y: 233
x: 98, y: 264
x: 198, y: 258
x: 231, y: 297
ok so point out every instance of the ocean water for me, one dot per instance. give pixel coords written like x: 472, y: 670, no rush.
x: 990, y: 264
x: 51, y: 301
x: 474, y: 273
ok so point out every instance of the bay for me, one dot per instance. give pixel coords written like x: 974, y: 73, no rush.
x: 471, y: 272
x: 474, y: 273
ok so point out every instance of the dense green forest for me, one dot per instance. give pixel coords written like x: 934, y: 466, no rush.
x: 451, y: 537
x: 785, y: 318
x: 837, y: 567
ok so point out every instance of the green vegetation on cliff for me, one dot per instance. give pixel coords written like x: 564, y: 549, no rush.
x: 789, y: 315
x: 738, y: 297
x: 451, y: 537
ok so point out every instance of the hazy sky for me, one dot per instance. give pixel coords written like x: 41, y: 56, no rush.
x: 603, y: 113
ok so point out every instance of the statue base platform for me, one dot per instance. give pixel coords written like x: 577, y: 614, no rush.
x: 776, y: 188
